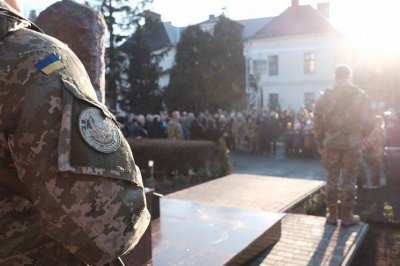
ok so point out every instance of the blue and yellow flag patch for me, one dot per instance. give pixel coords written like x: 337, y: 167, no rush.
x: 50, y: 64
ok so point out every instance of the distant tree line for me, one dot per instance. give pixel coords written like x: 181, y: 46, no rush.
x: 209, y: 70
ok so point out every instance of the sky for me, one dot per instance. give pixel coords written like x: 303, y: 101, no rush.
x: 370, y: 24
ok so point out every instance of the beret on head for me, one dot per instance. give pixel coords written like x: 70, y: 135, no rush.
x: 343, y: 71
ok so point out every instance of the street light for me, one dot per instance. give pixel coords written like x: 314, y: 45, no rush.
x: 151, y: 164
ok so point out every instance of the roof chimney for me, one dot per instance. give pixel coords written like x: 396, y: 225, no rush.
x: 323, y: 8
x: 295, y: 2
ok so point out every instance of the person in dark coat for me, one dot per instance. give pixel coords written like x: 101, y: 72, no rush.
x: 212, y: 133
x: 156, y: 129
x: 197, y: 128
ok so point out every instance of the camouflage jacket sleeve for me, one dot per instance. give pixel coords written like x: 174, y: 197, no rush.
x: 68, y: 150
x: 367, y: 116
x: 319, y: 126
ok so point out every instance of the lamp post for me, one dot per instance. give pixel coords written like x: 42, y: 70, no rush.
x: 151, y: 164
x: 150, y: 181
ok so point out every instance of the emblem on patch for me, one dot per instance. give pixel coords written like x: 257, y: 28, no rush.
x: 99, y: 131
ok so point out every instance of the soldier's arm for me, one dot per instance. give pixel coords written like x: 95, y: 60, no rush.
x: 10, y: 180
x: 90, y: 200
x: 319, y: 123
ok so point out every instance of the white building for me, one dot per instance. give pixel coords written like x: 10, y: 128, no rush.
x: 291, y: 56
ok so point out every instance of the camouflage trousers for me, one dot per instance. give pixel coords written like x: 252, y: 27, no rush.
x: 344, y: 164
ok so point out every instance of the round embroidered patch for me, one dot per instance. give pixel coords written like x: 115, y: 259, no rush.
x: 99, y: 131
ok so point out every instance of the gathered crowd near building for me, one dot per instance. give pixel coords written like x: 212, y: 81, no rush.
x: 243, y: 131
x: 87, y: 148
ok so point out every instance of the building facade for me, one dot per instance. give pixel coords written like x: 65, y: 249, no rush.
x: 290, y: 58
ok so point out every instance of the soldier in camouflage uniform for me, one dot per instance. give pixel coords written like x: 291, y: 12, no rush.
x: 174, y: 129
x: 239, y: 128
x: 70, y: 192
x: 252, y: 132
x: 343, y: 117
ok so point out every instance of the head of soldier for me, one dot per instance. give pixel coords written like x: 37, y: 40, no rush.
x: 176, y: 115
x: 343, y: 73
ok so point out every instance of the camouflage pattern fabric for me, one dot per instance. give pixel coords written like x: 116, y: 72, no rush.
x: 87, y: 202
x: 239, y: 128
x: 343, y: 116
x: 343, y: 163
x: 252, y: 133
x: 174, y: 130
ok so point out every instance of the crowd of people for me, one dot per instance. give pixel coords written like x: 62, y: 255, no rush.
x: 243, y: 131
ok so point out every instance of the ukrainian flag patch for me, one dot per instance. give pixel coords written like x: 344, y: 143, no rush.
x: 50, y: 64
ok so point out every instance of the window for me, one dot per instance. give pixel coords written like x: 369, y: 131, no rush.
x: 259, y: 67
x: 273, y: 101
x: 309, y: 63
x: 273, y: 65
x: 309, y: 100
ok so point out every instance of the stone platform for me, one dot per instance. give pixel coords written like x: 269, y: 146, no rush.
x: 253, y: 192
x: 213, y: 224
x: 194, y: 233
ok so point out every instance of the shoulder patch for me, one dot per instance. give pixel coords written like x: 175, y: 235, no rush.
x: 99, y: 131
x: 50, y: 64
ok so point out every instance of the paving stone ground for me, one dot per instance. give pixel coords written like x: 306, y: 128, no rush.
x: 307, y: 240
x: 274, y: 184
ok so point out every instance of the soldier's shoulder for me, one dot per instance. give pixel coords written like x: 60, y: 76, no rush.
x: 30, y: 39
x: 358, y: 92
x: 326, y: 95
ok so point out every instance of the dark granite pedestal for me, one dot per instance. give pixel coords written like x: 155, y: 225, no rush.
x: 195, y: 233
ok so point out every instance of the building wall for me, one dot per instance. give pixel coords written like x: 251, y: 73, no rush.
x: 292, y: 82
x: 166, y: 64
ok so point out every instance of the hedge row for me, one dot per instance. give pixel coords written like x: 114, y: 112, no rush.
x: 173, y: 155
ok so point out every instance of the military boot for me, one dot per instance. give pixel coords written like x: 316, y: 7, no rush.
x: 348, y: 218
x: 331, y: 218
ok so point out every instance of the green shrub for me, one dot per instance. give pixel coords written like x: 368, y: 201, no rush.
x: 369, y: 213
x: 171, y: 155
x: 223, y: 159
x: 198, y: 160
x: 388, y: 214
x: 151, y: 183
x: 166, y: 182
x: 316, y: 204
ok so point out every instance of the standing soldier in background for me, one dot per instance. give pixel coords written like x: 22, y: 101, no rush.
x: 252, y: 132
x: 343, y: 117
x: 174, y: 129
x: 70, y: 192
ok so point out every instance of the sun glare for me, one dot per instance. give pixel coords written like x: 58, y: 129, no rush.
x: 370, y: 25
